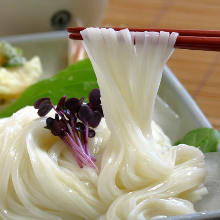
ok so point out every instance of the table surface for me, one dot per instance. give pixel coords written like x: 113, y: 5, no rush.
x: 199, y: 71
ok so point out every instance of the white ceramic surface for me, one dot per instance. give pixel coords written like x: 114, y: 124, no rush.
x: 31, y: 16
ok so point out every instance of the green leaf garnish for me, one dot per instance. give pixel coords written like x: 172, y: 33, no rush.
x: 206, y: 139
x: 75, y: 81
x: 12, y: 56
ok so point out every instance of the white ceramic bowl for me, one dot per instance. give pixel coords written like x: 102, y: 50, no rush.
x: 31, y: 16
x: 52, y: 49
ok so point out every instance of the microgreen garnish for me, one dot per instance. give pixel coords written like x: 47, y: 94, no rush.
x: 74, y: 123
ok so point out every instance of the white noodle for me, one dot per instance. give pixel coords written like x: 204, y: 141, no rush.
x: 140, y: 174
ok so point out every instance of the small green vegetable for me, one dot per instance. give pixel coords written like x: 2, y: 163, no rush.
x: 75, y: 81
x: 11, y: 56
x: 206, y: 139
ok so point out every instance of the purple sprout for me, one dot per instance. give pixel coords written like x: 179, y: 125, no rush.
x: 74, y: 123
x: 95, y: 101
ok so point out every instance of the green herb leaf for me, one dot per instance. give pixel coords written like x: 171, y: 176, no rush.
x: 75, y: 81
x: 206, y: 139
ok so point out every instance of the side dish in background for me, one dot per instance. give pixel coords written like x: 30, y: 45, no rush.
x: 16, y: 73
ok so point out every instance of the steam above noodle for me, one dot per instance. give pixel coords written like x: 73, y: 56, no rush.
x: 140, y: 174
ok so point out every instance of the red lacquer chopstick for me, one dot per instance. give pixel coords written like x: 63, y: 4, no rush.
x: 188, y: 39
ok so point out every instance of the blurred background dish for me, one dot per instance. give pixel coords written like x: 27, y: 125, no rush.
x: 31, y: 16
x: 16, y: 72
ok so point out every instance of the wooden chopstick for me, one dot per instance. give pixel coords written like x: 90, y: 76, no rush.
x: 188, y: 39
x: 182, y: 32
